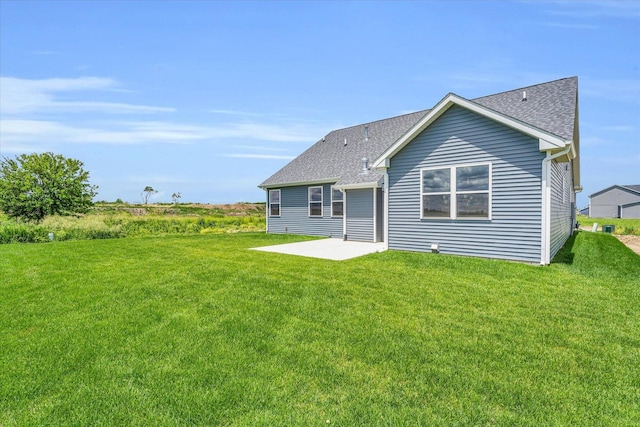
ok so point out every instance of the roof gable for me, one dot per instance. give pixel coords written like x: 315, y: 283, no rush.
x: 547, y: 139
x: 549, y: 113
x: 633, y: 189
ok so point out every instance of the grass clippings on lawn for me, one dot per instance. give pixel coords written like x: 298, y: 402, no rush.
x: 200, y: 330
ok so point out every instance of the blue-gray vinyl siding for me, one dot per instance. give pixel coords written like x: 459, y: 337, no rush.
x: 562, y: 208
x: 631, y: 210
x: 360, y: 211
x: 460, y: 136
x: 294, y: 214
x: 607, y: 204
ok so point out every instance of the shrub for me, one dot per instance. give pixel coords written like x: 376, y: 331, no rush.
x: 23, y: 233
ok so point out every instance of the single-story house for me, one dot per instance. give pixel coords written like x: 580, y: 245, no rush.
x: 491, y: 177
x: 617, y: 201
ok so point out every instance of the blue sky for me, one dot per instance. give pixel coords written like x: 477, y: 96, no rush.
x: 210, y: 98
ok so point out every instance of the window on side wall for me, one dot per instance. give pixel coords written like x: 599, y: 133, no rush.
x: 456, y: 192
x: 274, y: 202
x: 337, y: 202
x: 315, y: 201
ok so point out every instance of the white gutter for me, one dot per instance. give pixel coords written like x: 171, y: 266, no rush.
x: 299, y: 183
x: 545, y: 246
x: 360, y: 186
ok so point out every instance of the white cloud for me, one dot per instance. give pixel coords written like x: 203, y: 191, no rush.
x: 259, y: 156
x: 22, y: 96
x: 35, y: 131
x: 620, y: 128
x: 48, y: 113
x: 20, y: 133
x: 287, y: 132
x: 594, y: 141
x: 627, y: 90
x: 155, y: 180
x: 45, y: 52
x: 568, y: 25
x: 258, y: 147
x: 595, y: 8
x: 236, y: 113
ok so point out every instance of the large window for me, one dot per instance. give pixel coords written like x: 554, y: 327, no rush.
x: 337, y: 202
x: 457, y: 192
x: 315, y: 201
x: 274, y: 202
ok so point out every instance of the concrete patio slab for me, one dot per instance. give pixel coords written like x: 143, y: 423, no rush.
x: 333, y: 249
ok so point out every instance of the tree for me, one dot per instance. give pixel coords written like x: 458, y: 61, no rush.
x: 146, y: 193
x: 33, y: 186
x: 175, y: 197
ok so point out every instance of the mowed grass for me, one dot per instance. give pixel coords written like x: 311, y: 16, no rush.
x: 622, y: 225
x: 199, y: 330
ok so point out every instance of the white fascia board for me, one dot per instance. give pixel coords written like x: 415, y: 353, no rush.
x: 384, y: 164
x: 547, y: 141
x: 296, y: 184
x: 546, y: 145
x: 430, y: 117
x: 358, y: 186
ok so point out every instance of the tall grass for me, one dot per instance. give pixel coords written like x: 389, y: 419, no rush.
x: 113, y: 222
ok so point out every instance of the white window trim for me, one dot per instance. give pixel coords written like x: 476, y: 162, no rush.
x: 453, y: 208
x: 341, y: 201
x: 321, y: 201
x: 279, y: 204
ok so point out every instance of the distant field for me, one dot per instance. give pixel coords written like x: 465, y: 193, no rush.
x: 200, y: 330
x: 623, y: 225
x: 117, y: 220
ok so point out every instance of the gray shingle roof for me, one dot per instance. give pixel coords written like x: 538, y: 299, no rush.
x: 331, y: 160
x: 633, y: 187
x: 549, y: 106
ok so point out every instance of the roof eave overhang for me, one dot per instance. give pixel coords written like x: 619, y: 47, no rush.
x: 361, y: 185
x: 546, y: 140
x: 620, y: 187
x: 299, y: 183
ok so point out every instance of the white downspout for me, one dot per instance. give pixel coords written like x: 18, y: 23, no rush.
x: 267, y: 211
x: 385, y: 195
x: 344, y: 214
x: 545, y: 250
x: 375, y: 218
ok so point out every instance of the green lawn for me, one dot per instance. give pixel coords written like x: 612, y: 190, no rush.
x: 623, y: 225
x: 184, y: 330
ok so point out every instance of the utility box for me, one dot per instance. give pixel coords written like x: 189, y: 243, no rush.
x: 609, y: 228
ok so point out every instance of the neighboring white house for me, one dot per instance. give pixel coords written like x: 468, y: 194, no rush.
x: 617, y: 201
x: 492, y: 177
